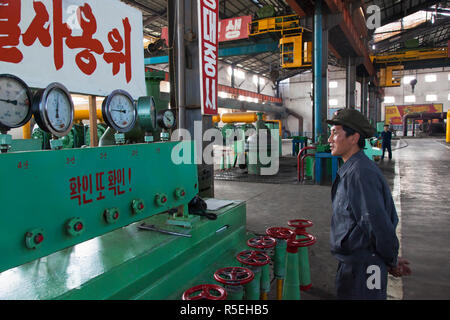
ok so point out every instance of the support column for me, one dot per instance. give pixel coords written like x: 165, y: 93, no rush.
x: 187, y: 67
x: 372, y: 105
x: 350, y: 81
x: 364, y: 93
x: 320, y: 65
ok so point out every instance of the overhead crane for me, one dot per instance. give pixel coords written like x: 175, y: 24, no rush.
x: 391, y: 72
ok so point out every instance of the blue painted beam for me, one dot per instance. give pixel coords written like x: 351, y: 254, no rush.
x: 317, y: 63
x: 248, y: 49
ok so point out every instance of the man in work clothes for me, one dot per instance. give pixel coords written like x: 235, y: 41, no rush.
x: 364, y: 219
x: 386, y: 144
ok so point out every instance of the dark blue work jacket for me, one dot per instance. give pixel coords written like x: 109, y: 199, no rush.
x: 364, y: 216
x: 387, y: 137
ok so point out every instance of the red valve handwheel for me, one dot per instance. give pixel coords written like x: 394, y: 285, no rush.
x: 205, y: 292
x: 300, y: 225
x: 253, y: 258
x: 262, y: 242
x: 234, y: 276
x: 280, y: 233
x: 307, y: 241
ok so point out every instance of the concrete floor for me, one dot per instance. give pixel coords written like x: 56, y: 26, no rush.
x: 418, y: 176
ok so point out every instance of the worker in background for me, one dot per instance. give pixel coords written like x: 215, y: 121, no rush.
x: 386, y: 135
x: 364, y: 219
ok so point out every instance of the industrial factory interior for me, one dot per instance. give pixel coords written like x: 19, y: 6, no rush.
x: 254, y: 151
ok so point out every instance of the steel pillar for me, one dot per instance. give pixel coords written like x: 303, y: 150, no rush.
x: 186, y: 63
x: 319, y: 91
x: 364, y: 96
x: 350, y: 83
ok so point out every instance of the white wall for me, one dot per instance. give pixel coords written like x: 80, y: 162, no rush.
x: 297, y: 92
x: 246, y: 82
x: 440, y: 87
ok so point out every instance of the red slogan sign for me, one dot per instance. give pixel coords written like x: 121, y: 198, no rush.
x: 90, y: 187
x: 74, y: 42
x: 208, y: 20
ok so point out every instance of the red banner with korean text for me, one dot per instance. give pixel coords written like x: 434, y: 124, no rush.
x: 90, y: 46
x: 208, y: 23
x: 229, y: 29
x: 234, y: 28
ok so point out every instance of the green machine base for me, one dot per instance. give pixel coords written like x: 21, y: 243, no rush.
x: 130, y: 263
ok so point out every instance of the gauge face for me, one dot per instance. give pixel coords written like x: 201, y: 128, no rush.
x: 166, y: 119
x: 53, y: 109
x: 119, y: 111
x: 59, y: 110
x: 15, y: 102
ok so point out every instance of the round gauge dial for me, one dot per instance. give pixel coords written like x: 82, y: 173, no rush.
x: 119, y: 111
x: 15, y: 102
x: 166, y: 119
x: 53, y: 109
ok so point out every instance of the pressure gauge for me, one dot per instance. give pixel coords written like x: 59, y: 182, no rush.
x: 119, y: 111
x: 53, y: 109
x: 166, y: 119
x: 15, y: 102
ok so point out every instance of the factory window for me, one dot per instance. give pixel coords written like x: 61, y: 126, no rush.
x: 256, y: 79
x: 410, y: 98
x: 389, y: 99
x: 333, y: 84
x: 333, y: 102
x: 237, y: 73
x: 430, y: 78
x: 407, y: 79
x: 223, y: 94
x: 431, y: 97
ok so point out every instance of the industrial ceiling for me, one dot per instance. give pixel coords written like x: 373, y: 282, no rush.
x: 431, y: 32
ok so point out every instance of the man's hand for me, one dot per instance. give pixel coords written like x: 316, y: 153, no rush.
x: 402, y: 268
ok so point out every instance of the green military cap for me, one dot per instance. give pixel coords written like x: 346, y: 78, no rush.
x: 353, y: 119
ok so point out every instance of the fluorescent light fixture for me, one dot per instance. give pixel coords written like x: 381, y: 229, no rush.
x: 430, y: 78
x: 333, y: 102
x: 407, y: 79
x: 410, y: 98
x: 333, y: 84
x: 431, y: 97
x: 389, y: 99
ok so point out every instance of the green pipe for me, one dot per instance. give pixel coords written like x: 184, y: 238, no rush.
x: 292, y: 282
x: 252, y: 289
x: 304, y: 270
x: 279, y: 259
x: 235, y: 292
x: 265, y: 278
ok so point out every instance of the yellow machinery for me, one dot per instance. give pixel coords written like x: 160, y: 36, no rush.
x: 391, y: 76
x: 294, y: 51
x: 410, y: 55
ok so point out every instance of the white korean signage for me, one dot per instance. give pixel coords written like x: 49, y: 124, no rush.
x: 208, y: 20
x: 90, y: 46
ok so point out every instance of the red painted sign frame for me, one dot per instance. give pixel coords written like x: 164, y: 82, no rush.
x: 208, y: 27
